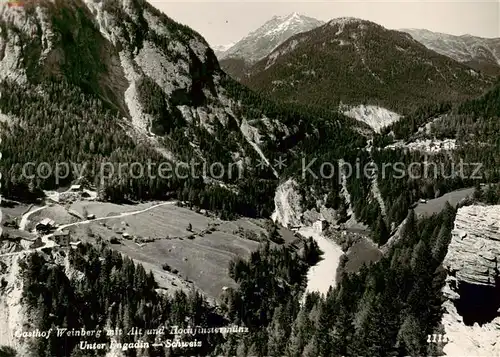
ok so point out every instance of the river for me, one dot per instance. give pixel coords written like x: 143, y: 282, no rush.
x: 323, y: 275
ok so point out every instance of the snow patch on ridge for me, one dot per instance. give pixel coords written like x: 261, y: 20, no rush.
x: 263, y: 41
x: 376, y: 117
x: 287, y: 23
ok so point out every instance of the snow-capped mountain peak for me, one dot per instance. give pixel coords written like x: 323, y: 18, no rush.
x: 285, y: 17
x: 266, y: 38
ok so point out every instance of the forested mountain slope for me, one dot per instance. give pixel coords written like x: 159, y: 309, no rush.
x: 353, y: 61
x: 89, y: 81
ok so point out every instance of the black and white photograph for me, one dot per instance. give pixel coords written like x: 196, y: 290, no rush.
x: 249, y: 178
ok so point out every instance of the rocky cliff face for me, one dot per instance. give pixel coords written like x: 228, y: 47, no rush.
x: 475, y: 246
x: 15, y: 315
x: 290, y: 207
x: 472, y: 318
x: 12, y: 313
x: 288, y: 204
x: 353, y: 61
x: 159, y: 75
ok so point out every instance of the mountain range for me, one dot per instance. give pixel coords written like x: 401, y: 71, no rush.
x: 237, y: 58
x: 107, y: 83
x: 482, y: 54
x: 350, y: 61
x: 474, y: 53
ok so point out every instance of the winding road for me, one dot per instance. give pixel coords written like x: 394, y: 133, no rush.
x: 50, y: 243
x: 123, y: 214
x: 24, y: 219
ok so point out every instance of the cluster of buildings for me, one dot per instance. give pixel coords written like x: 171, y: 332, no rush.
x: 61, y: 238
x: 319, y: 226
x: 74, y: 193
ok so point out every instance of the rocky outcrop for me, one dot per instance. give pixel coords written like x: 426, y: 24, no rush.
x: 472, y: 290
x: 469, y: 340
x: 475, y: 245
x: 12, y: 312
x: 287, y: 202
x: 289, y: 211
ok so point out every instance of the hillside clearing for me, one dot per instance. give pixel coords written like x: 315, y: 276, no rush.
x: 198, y: 255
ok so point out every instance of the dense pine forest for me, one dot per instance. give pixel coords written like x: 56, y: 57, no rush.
x: 108, y: 291
x: 314, y: 136
x: 67, y: 125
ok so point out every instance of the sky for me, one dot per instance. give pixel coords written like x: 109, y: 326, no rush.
x: 225, y: 22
